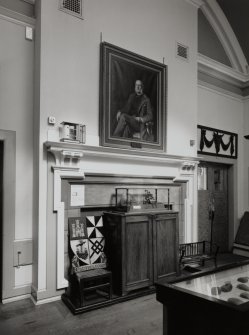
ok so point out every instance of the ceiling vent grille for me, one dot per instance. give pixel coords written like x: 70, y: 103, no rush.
x: 73, y: 7
x: 182, y: 51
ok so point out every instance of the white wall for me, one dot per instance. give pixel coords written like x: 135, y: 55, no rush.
x: 69, y: 75
x: 16, y: 106
x: 16, y: 114
x: 70, y: 60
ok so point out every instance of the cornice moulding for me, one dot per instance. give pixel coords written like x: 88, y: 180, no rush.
x: 196, y: 3
x: 222, y: 72
x: 32, y: 2
x: 218, y: 90
x: 17, y: 18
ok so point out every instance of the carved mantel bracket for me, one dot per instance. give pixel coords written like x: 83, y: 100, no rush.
x: 65, y: 157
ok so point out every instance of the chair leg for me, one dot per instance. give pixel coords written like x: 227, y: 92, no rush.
x: 110, y: 287
x: 81, y: 285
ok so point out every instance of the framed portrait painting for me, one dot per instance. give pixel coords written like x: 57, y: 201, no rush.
x: 132, y: 100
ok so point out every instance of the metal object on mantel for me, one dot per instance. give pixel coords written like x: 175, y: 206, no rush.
x: 72, y: 132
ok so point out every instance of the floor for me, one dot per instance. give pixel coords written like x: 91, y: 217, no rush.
x: 141, y: 316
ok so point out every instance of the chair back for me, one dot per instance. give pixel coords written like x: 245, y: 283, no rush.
x: 87, y: 243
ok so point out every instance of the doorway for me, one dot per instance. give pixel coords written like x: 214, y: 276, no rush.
x: 1, y: 218
x: 213, y: 220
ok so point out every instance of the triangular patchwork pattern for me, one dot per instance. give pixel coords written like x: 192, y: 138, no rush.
x: 94, y: 226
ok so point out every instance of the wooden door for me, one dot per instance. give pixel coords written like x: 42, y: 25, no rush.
x: 165, y: 242
x: 138, y: 252
x: 213, y: 198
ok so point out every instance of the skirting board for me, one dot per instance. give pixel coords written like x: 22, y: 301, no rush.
x: 45, y: 301
x: 17, y: 298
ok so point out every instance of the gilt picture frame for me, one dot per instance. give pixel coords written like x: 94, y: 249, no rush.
x: 133, y: 100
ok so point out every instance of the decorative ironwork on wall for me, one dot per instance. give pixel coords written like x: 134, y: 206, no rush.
x: 217, y: 142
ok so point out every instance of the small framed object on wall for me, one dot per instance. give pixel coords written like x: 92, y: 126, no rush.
x: 77, y: 195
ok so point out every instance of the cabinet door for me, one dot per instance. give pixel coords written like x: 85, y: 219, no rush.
x: 165, y: 241
x: 138, y: 252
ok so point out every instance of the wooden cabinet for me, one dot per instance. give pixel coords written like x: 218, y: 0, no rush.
x: 141, y: 248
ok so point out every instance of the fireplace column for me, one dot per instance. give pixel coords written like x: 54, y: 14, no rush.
x: 67, y: 166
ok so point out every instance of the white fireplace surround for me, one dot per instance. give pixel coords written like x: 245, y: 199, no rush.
x: 74, y: 160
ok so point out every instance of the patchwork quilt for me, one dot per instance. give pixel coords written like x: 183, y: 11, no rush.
x: 87, y: 243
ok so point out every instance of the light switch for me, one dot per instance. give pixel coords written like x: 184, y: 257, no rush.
x: 77, y: 195
x: 29, y: 33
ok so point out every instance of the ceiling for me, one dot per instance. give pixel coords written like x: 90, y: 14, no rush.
x: 237, y: 14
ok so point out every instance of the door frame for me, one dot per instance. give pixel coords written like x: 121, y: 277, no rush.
x: 8, y: 219
x: 232, y: 192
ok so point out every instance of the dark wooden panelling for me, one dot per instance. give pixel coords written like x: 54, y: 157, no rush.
x: 165, y: 243
x: 138, y: 250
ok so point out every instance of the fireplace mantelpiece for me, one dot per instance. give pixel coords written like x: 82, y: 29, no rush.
x: 72, y: 161
x: 118, y: 153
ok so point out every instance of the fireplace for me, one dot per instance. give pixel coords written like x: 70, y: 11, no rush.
x: 98, y: 171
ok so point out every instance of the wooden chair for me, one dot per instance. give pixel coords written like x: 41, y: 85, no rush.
x: 198, y: 252
x: 94, y: 280
x: 89, y: 278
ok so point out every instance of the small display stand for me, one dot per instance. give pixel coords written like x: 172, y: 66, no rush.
x: 139, y: 199
x: 72, y: 132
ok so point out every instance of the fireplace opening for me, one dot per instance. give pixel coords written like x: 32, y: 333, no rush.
x: 97, y: 194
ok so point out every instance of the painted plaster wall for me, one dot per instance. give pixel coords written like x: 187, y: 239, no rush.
x: 69, y: 82
x: 16, y: 114
x: 221, y: 111
x: 70, y: 60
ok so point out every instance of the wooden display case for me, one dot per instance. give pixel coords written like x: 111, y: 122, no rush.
x: 141, y: 248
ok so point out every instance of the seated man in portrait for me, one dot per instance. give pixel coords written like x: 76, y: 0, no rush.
x: 135, y: 115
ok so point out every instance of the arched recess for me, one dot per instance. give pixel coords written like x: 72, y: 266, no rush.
x: 224, y: 32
